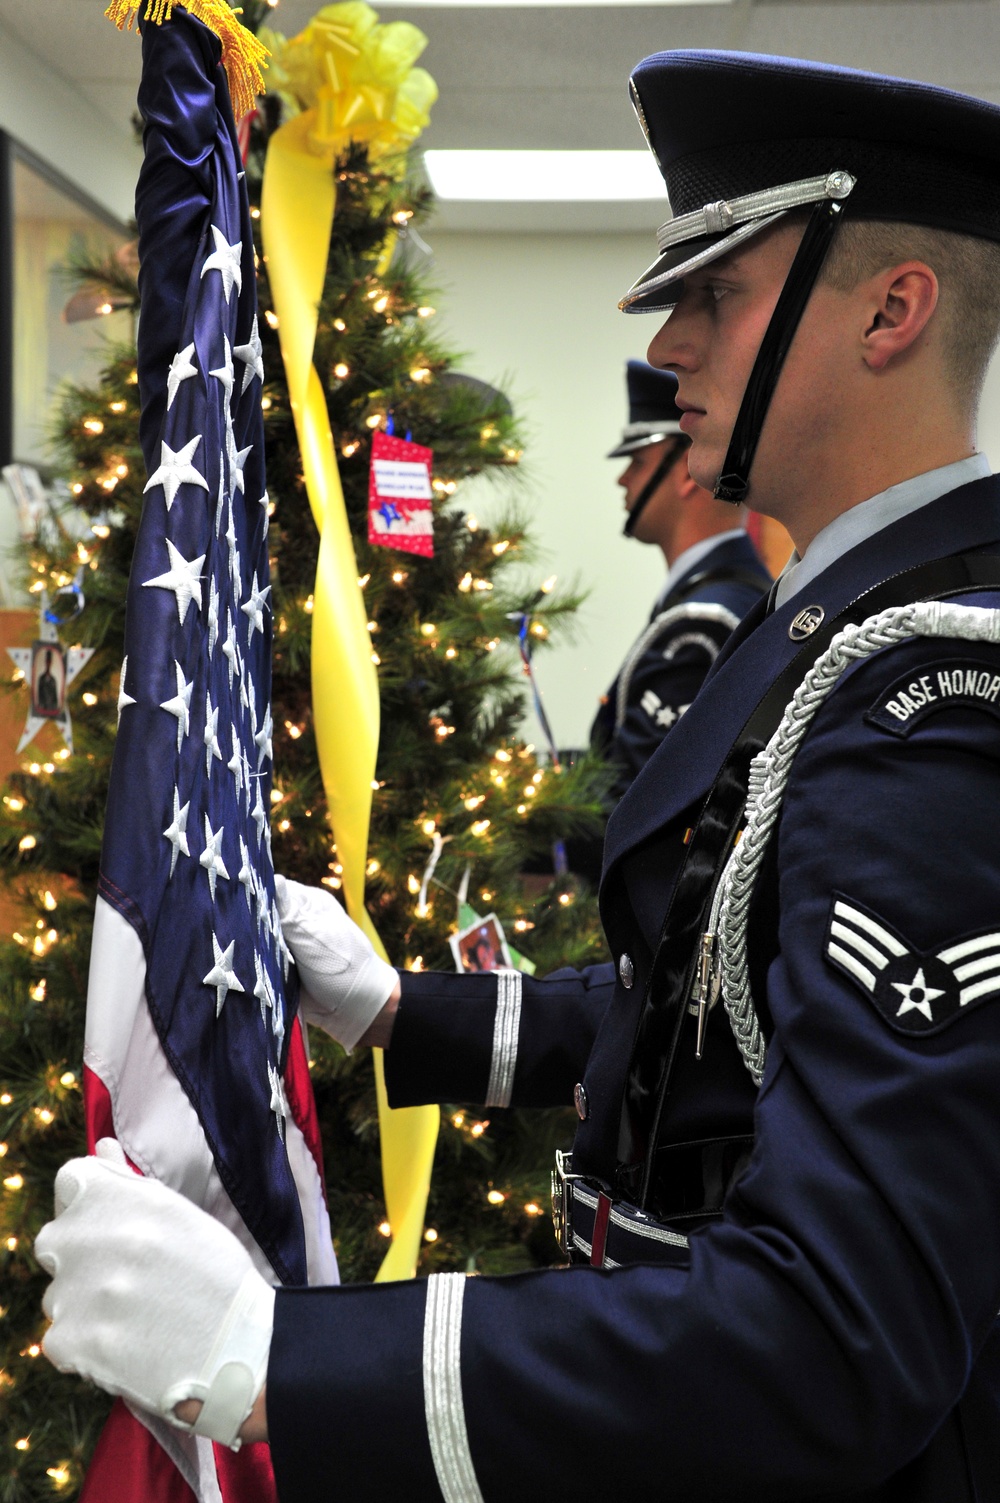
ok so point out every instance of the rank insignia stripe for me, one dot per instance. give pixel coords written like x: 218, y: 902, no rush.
x: 967, y: 682
x: 916, y: 992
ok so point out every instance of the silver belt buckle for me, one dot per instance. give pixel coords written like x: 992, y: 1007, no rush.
x: 562, y: 1182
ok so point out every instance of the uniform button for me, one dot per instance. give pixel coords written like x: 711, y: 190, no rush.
x: 626, y: 970
x: 580, y: 1101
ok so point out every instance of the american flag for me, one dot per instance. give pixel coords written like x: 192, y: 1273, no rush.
x: 194, y: 1056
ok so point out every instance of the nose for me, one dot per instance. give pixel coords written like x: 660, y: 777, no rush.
x: 623, y: 477
x: 672, y: 347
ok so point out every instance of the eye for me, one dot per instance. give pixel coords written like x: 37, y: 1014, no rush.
x: 717, y: 292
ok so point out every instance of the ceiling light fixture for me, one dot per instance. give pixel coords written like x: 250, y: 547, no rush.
x: 544, y: 176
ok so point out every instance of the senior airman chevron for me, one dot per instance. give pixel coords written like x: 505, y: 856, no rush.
x: 916, y: 991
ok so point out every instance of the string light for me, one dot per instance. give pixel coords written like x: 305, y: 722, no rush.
x: 16, y: 804
x: 523, y: 925
x: 426, y: 312
x: 385, y: 1230
x: 59, y: 1474
x: 471, y: 523
x: 533, y: 1209
x: 340, y: 326
x: 90, y: 699
x: 451, y: 652
x: 565, y: 899
x: 272, y: 318
x: 458, y: 1120
x: 37, y: 992
x: 295, y: 731
x: 23, y: 1444
x: 118, y: 406
x: 308, y: 607
x: 419, y: 373
x: 68, y: 1080
x: 373, y: 867
x: 399, y: 576
x: 14, y: 1182
x: 501, y: 547
x: 465, y: 583
x: 522, y: 808
x: 373, y: 419
x: 93, y: 425
x: 474, y: 800
x: 99, y: 529
x: 4, y: 1148
x: 350, y: 449
x: 480, y: 827
x: 341, y: 371
x: 478, y: 1128
x: 11, y: 1246
x: 44, y: 1115
x: 27, y: 843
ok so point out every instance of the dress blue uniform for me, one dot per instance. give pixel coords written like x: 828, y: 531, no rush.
x: 780, y: 1293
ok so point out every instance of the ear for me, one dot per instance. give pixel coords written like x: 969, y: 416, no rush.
x: 904, y: 300
x: 686, y: 486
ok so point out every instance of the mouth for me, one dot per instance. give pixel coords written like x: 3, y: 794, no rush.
x: 690, y: 412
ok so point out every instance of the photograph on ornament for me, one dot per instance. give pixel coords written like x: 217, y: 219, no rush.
x: 481, y: 947
x: 48, y: 680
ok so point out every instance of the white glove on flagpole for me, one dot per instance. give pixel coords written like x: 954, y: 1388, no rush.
x: 152, y: 1298
x: 345, y: 984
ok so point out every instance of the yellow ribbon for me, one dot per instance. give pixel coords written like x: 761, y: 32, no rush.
x: 351, y: 82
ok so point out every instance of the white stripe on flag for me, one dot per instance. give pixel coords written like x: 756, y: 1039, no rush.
x: 154, y: 1120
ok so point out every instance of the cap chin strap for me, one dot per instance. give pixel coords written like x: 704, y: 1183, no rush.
x: 649, y: 490
x: 733, y: 484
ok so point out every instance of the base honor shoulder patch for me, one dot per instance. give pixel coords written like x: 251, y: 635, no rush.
x: 967, y: 682
x: 915, y: 991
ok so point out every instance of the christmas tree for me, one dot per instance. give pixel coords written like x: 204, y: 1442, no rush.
x: 461, y: 809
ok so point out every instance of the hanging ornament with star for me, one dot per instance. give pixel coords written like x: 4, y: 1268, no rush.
x: 48, y: 668
x: 400, y: 495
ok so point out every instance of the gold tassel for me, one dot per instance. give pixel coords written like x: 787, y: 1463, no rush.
x: 243, y: 56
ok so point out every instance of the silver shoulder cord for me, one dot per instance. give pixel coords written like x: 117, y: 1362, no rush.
x: 769, y: 773
x: 693, y: 611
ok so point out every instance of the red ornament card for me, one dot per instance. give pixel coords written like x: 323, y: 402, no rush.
x: 399, y: 495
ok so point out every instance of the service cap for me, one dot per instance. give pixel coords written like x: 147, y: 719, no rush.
x: 653, y: 414
x: 743, y: 139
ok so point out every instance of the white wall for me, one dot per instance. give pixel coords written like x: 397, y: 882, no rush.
x: 539, y: 313
x: 541, y: 310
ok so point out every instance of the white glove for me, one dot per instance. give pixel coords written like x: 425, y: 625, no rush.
x: 345, y: 984
x: 152, y: 1298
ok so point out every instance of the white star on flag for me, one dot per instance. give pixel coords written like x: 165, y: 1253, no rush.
x: 917, y: 995
x: 213, y: 615
x: 212, y: 748
x: 265, y: 502
x: 183, y: 577
x: 262, y: 740
x: 279, y: 1102
x: 220, y: 502
x: 259, y: 815
x: 229, y: 649
x: 235, y: 763
x: 124, y: 700
x: 237, y: 464
x: 175, y: 469
x: 226, y: 372
x: 225, y: 259
x: 224, y: 978
x: 253, y: 608
x: 246, y: 875
x: 180, y: 705
x: 211, y: 856
x: 176, y: 831
x: 182, y: 368
x: 252, y: 355
x: 262, y: 988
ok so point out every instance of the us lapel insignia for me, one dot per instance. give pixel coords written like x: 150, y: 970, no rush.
x: 806, y: 622
x: 915, y: 991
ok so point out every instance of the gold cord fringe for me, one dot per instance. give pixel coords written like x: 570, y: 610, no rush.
x: 243, y: 56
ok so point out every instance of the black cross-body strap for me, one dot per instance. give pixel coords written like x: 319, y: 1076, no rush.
x: 664, y: 1002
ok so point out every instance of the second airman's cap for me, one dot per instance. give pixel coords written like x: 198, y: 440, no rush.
x: 653, y: 414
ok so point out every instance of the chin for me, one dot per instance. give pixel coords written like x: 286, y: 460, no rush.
x: 705, y: 466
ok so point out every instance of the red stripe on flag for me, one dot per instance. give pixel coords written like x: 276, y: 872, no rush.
x: 129, y: 1466
x: 96, y: 1109
x: 301, y: 1101
x: 245, y: 1476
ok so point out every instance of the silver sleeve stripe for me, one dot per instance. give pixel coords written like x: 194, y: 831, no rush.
x: 444, y: 1409
x: 506, y: 1027
x: 861, y: 945
x: 969, y: 947
x: 862, y: 921
x: 848, y: 961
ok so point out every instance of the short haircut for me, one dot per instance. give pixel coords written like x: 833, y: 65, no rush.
x: 968, y: 273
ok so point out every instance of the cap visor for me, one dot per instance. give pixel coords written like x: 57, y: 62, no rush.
x: 660, y: 287
x: 631, y: 445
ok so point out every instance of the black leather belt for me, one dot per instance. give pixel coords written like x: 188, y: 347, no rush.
x: 591, y: 1227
